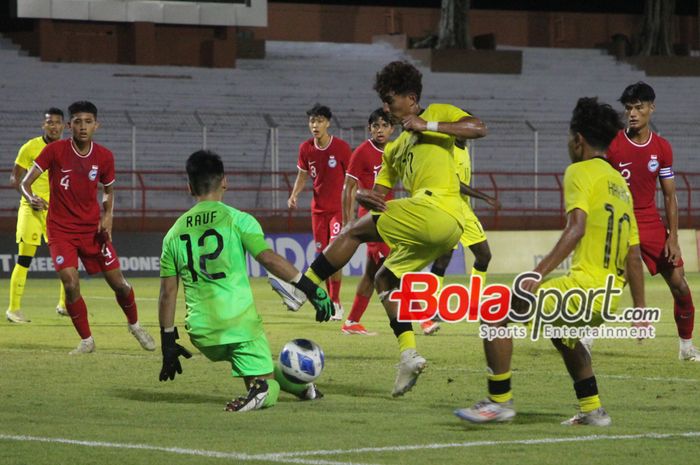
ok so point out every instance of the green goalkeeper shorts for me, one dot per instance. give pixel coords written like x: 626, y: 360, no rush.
x: 249, y: 358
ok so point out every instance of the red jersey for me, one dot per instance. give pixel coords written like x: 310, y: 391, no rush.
x: 641, y: 165
x: 365, y: 163
x: 327, y: 169
x: 73, y: 182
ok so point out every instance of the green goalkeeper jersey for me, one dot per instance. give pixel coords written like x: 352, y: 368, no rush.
x: 206, y: 249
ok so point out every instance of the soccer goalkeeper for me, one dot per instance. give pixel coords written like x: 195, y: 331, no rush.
x: 206, y: 249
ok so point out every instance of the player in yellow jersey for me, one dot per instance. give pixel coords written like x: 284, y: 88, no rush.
x: 420, y: 228
x: 31, y: 224
x: 473, y: 237
x: 602, y: 232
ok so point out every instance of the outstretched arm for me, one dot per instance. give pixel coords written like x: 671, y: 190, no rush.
x: 572, y: 234
x: 477, y: 194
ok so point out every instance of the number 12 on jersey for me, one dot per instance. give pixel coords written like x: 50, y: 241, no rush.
x: 203, y: 257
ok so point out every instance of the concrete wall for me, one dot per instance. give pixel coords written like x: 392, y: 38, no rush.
x: 336, y: 23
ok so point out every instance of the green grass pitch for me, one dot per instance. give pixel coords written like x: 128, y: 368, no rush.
x: 110, y: 408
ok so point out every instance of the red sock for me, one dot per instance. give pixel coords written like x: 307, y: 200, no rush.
x: 334, y: 290
x: 684, y: 314
x: 358, y: 308
x: 78, y: 315
x: 128, y: 305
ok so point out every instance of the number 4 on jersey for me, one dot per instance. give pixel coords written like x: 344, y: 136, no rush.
x: 65, y: 181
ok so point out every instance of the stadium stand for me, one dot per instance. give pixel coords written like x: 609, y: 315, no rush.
x: 175, y: 109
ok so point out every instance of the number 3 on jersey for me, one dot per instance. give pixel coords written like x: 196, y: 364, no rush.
x: 204, y: 257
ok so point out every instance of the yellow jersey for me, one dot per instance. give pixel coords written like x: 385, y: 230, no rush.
x: 598, y: 189
x: 424, y: 162
x: 25, y: 158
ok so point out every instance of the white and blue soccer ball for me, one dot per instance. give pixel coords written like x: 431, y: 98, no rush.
x: 301, y: 360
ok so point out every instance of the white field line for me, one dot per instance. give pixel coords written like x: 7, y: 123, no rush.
x: 526, y: 442
x: 174, y: 450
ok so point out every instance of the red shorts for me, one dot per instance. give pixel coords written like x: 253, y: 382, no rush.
x: 325, y: 226
x: 95, y: 254
x: 377, y: 251
x: 652, y: 238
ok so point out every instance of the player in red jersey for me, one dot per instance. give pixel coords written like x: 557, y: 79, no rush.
x: 365, y: 163
x: 75, y: 227
x: 325, y: 158
x: 642, y: 156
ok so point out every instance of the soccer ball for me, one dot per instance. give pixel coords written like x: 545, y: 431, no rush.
x: 301, y: 360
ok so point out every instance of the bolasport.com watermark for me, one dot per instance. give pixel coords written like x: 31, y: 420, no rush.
x: 547, y: 313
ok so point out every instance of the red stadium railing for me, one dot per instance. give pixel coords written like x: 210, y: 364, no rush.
x: 526, y: 197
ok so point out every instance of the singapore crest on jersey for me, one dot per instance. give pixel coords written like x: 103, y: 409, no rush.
x: 93, y: 173
x: 653, y: 164
x: 332, y: 162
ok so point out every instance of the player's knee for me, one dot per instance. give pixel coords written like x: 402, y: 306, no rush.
x: 72, y: 288
x: 680, y: 289
x: 385, y: 280
x: 24, y: 260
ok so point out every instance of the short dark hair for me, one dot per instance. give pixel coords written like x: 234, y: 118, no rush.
x: 378, y: 114
x: 637, y: 92
x: 399, y: 77
x: 597, y: 122
x: 82, y: 106
x: 319, y: 110
x: 205, y: 170
x: 54, y: 111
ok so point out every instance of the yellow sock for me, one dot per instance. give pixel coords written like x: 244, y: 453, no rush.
x: 407, y: 340
x: 499, y: 387
x: 590, y: 403
x: 61, y: 295
x: 476, y: 272
x: 17, y: 281
x: 312, y: 276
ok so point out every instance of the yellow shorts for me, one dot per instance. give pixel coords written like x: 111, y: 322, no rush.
x: 417, y: 231
x: 473, y: 233
x: 565, y: 283
x: 31, y: 225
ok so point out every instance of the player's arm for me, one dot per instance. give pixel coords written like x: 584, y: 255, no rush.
x: 672, y: 249
x: 635, y: 276
x: 16, y: 177
x: 107, y: 211
x: 348, y: 199
x: 36, y: 202
x: 279, y: 266
x: 299, y: 184
x: 468, y: 127
x: 572, y: 234
x: 477, y: 194
x: 373, y: 199
x: 167, y: 300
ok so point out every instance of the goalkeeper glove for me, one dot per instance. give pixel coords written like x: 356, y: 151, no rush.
x: 171, y: 354
x: 318, y: 298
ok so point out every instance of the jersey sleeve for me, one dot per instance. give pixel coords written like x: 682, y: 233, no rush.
x: 450, y: 113
x: 576, y: 190
x: 167, y: 258
x: 387, y: 175
x: 345, y: 155
x: 252, y: 235
x: 302, y: 161
x: 24, y: 158
x: 355, y: 166
x: 107, y: 176
x: 45, y: 158
x: 666, y: 162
